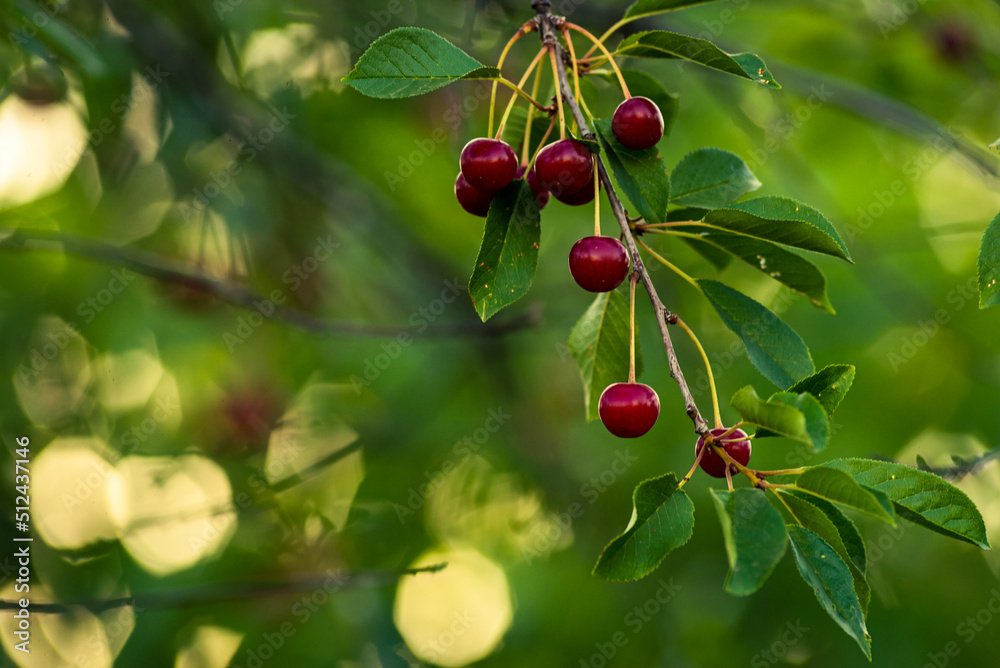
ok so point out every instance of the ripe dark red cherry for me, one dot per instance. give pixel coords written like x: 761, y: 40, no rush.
x: 637, y: 123
x: 579, y: 198
x: 565, y: 167
x: 737, y: 447
x: 629, y: 410
x: 598, y: 264
x: 541, y: 194
x: 475, y: 201
x: 488, y: 164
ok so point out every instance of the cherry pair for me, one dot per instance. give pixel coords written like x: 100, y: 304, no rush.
x: 487, y: 167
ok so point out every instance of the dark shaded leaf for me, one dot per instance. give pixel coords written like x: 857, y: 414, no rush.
x: 662, y: 520
x: 755, y: 538
x: 508, y: 256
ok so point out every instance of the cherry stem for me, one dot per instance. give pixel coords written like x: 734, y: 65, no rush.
x: 610, y: 31
x: 721, y: 451
x: 795, y: 471
x: 513, y: 98
x: 541, y: 144
x: 586, y: 33
x: 524, y: 30
x: 526, y: 150
x: 547, y: 24
x: 649, y: 226
x: 669, y: 265
x: 631, y: 326
x: 694, y: 467
x: 729, y: 477
x: 708, y: 369
x: 576, y: 74
x: 597, y: 201
x: 559, y: 93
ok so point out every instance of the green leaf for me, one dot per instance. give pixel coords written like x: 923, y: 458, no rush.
x: 664, y: 44
x: 830, y: 385
x: 786, y: 267
x: 641, y: 84
x: 837, y: 486
x: 817, y: 421
x: 662, y: 520
x: 412, y: 61
x: 849, y: 533
x: 807, y: 512
x: 643, y: 8
x: 642, y: 175
x: 782, y: 221
x: 989, y: 266
x: 711, y: 178
x: 823, y: 570
x: 773, y: 347
x: 599, y: 344
x: 717, y: 257
x: 921, y: 497
x: 755, y: 538
x: 795, y: 416
x: 508, y: 256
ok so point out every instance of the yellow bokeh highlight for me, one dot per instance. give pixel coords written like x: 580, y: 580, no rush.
x: 69, y: 479
x: 127, y: 380
x: 76, y: 638
x: 458, y: 615
x: 171, y: 512
x: 209, y: 647
x: 39, y: 148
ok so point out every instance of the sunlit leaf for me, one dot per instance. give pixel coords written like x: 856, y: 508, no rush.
x: 837, y: 486
x: 921, y: 497
x: 783, y: 221
x: 830, y: 385
x: 989, y: 265
x: 664, y: 44
x: 412, y: 61
x: 795, y: 416
x: 711, y: 178
x: 772, y: 346
x: 643, y: 8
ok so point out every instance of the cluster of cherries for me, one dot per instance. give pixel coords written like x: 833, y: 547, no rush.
x: 564, y: 169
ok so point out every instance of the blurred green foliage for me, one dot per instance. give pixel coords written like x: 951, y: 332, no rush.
x: 219, y: 135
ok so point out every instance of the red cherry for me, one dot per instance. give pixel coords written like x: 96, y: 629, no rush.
x: 488, y: 164
x: 541, y: 194
x: 475, y: 201
x: 579, y: 198
x: 737, y: 446
x: 565, y: 167
x: 637, y: 123
x: 629, y: 410
x: 598, y: 264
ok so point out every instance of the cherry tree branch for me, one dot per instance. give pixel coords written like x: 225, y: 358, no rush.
x: 548, y: 27
x: 205, y: 594
x: 173, y: 272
